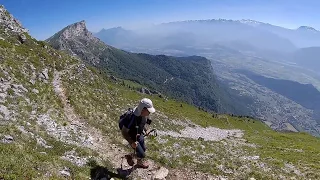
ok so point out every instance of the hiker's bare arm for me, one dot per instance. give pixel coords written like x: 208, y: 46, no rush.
x: 146, y: 126
x: 125, y: 134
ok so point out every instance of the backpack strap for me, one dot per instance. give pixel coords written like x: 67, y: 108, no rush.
x: 131, y: 120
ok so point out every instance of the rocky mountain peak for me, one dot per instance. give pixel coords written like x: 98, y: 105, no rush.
x: 250, y: 22
x: 75, y: 30
x: 307, y: 28
x: 9, y: 23
x: 77, y: 40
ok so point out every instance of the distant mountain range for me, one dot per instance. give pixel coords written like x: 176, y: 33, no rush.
x: 247, y: 36
x: 308, y: 58
x: 302, y: 37
x: 199, y: 33
x: 204, y: 32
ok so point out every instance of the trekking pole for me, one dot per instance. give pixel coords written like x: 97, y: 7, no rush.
x: 153, y: 130
x: 135, y: 149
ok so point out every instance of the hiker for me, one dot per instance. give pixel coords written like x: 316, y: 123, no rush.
x: 133, y: 127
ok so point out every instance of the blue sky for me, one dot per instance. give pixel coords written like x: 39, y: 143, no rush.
x: 45, y: 17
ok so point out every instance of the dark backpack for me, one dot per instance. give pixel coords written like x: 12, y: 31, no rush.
x: 125, y: 117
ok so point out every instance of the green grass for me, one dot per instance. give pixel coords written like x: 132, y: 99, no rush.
x: 5, y: 44
x: 22, y: 158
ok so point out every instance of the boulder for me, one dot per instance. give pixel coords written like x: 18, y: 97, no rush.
x: 22, y: 38
x: 4, y: 110
x: 161, y: 174
x: 113, y: 78
x: 65, y: 172
x: 36, y: 91
x: 7, y: 139
x: 44, y: 75
x: 145, y: 91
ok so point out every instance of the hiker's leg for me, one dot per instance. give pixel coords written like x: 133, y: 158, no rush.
x: 141, y: 148
x: 141, y: 142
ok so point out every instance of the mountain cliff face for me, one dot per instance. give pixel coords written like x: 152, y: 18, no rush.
x: 9, y: 23
x: 58, y: 120
x: 77, y: 40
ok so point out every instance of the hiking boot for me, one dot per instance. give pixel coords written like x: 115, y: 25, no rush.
x: 142, y: 164
x: 129, y: 160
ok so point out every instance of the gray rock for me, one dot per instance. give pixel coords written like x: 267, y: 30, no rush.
x: 176, y: 146
x: 73, y: 157
x: 36, y: 91
x: 42, y: 142
x: 4, y: 110
x: 22, y: 38
x: 19, y: 88
x: 161, y: 140
x: 32, y: 81
x: 33, y: 76
x: 113, y: 78
x: 44, y: 74
x: 154, y: 92
x: 3, y: 97
x: 161, y: 174
x: 32, y: 67
x: 65, y: 172
x: 21, y: 128
x: 7, y: 139
x: 27, y: 100
x: 251, y: 158
x: 145, y: 91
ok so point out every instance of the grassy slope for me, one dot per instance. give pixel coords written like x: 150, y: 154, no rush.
x: 274, y: 148
x: 25, y: 159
